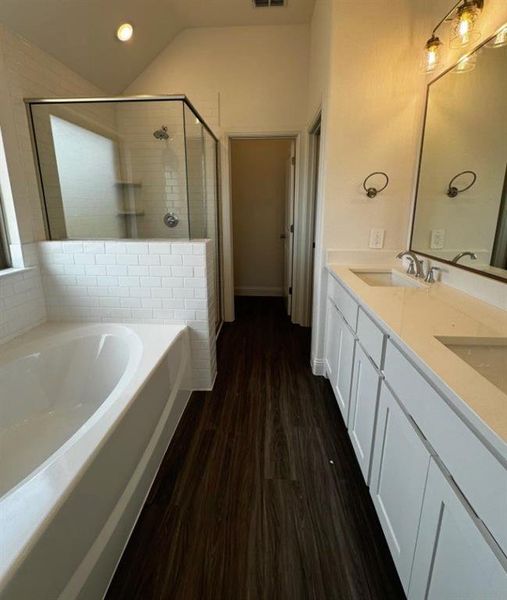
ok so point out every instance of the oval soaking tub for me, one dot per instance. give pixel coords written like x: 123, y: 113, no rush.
x: 86, y: 415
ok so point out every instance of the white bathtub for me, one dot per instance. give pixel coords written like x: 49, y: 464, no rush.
x: 86, y: 414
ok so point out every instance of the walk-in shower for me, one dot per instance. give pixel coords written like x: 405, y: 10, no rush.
x: 128, y: 167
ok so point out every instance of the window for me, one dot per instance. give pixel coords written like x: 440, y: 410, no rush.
x: 4, y: 251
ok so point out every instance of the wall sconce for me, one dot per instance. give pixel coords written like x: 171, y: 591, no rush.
x: 432, y: 53
x: 464, y: 25
x: 371, y: 192
x: 464, y: 15
x: 453, y: 191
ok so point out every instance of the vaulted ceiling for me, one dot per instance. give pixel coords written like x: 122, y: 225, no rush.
x: 81, y: 33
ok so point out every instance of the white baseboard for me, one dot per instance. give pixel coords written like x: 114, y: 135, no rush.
x: 319, y: 366
x: 258, y: 291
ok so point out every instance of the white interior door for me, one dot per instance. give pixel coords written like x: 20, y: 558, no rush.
x: 288, y: 233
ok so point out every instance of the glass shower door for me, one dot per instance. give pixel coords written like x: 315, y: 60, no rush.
x: 202, y: 192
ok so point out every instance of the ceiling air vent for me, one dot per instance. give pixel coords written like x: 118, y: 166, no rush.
x: 267, y: 3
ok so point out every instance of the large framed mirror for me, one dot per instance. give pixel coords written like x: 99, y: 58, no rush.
x: 460, y: 213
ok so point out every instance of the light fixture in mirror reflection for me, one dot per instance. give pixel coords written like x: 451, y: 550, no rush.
x: 461, y: 204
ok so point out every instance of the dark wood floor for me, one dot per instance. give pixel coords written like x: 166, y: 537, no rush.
x: 259, y: 496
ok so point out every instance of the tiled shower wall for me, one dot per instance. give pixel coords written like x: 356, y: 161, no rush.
x: 156, y: 168
x: 136, y: 281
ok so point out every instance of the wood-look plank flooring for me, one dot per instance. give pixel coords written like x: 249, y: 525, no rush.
x: 259, y: 496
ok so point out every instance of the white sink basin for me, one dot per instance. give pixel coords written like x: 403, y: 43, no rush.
x: 487, y: 356
x: 386, y: 278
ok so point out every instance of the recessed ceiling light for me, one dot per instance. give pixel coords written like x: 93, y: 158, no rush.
x: 124, y: 32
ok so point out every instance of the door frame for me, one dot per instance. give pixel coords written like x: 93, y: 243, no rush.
x: 314, y: 183
x: 227, y: 224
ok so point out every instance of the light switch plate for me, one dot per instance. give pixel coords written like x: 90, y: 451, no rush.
x: 437, y: 239
x: 377, y: 238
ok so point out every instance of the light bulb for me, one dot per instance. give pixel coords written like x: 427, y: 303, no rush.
x: 124, y: 32
x: 432, y: 54
x: 463, y: 30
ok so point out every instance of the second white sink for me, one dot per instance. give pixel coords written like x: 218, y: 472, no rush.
x: 488, y: 356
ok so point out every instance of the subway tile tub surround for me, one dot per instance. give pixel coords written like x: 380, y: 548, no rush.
x: 22, y: 304
x: 164, y: 282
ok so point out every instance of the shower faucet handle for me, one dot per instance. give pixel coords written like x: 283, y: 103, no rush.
x: 171, y: 220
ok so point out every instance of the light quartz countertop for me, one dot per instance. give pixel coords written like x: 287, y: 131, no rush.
x: 414, y: 317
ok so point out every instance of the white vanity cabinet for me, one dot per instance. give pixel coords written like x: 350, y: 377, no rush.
x: 398, y: 479
x: 363, y: 408
x: 439, y: 490
x: 454, y: 556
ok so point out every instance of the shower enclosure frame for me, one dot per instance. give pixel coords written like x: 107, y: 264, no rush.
x: 30, y: 102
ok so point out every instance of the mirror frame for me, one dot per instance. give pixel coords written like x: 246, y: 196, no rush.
x: 418, y: 179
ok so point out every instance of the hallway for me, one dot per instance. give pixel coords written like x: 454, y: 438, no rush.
x: 260, y: 495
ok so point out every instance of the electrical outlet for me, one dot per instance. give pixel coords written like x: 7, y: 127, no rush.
x: 377, y: 238
x: 437, y: 239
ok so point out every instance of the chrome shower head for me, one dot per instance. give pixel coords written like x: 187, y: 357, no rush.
x: 162, y: 133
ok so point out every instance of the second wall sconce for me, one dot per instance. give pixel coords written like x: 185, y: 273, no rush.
x: 453, y: 191
x: 371, y: 191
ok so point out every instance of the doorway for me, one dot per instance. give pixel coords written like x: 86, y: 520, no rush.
x: 262, y: 198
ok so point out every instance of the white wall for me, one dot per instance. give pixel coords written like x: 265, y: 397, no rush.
x: 370, y: 103
x: 255, y: 78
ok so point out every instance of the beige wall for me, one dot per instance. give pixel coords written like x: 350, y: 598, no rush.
x: 258, y: 174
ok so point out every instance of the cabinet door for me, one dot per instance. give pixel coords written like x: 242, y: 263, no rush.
x: 363, y: 408
x: 399, y: 470
x: 332, y: 342
x: 341, y: 342
x: 345, y: 367
x: 453, y: 558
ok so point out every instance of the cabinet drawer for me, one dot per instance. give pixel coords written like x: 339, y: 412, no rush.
x: 371, y: 337
x: 344, y: 302
x: 479, y: 475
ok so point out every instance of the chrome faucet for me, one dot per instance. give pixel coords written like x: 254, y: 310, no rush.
x: 416, y: 266
x: 459, y: 256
